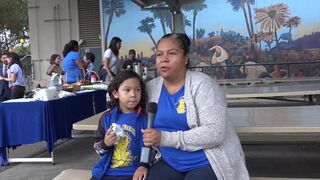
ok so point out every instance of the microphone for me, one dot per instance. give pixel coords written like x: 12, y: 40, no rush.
x: 146, y: 151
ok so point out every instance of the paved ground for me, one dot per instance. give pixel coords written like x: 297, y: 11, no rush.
x: 286, y: 160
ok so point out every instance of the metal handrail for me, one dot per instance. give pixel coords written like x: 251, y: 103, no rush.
x: 66, y: 76
x: 88, y: 73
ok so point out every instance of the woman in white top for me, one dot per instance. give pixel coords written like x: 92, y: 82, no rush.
x: 110, y: 59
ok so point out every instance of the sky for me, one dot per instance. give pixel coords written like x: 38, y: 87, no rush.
x: 217, y: 15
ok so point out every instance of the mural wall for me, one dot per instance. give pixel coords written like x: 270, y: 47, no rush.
x: 227, y: 32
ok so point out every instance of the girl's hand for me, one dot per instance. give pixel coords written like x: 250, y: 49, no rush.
x: 1, y: 78
x: 151, y: 137
x: 140, y: 174
x: 110, y: 137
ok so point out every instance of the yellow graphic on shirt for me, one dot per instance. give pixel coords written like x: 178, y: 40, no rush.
x: 181, y: 108
x: 121, y: 154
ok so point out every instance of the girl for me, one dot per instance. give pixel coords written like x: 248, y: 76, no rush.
x: 54, y: 66
x: 120, y: 155
x: 15, y: 77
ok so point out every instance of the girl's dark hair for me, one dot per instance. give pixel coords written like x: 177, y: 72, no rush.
x: 53, y: 58
x: 72, y: 45
x: 182, y: 39
x: 118, y: 80
x: 113, y: 45
x: 15, y: 59
x: 90, y: 56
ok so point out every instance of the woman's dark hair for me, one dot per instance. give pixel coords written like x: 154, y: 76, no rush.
x: 182, y: 39
x: 72, y: 45
x: 113, y: 45
x: 15, y: 59
x: 90, y: 56
x: 53, y: 58
x: 118, y: 80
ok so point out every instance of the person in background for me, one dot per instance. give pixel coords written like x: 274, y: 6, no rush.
x: 191, y: 129
x: 15, y: 77
x: 72, y: 64
x: 110, y: 60
x: 89, y: 59
x: 4, y: 85
x: 120, y: 155
x: 128, y: 64
x: 54, y: 66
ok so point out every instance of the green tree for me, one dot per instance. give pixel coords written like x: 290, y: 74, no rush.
x: 111, y: 8
x: 13, y: 23
x: 146, y: 26
x: 195, y: 7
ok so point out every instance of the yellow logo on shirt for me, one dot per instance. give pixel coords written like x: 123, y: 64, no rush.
x: 121, y: 154
x: 181, y: 108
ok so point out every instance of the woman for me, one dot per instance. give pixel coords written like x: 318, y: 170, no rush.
x: 195, y: 139
x: 110, y: 60
x: 72, y: 64
x: 15, y: 77
x: 54, y: 66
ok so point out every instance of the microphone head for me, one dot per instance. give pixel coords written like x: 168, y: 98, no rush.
x: 152, y: 107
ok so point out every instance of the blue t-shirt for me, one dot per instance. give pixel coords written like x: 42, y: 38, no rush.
x: 70, y: 67
x: 171, y: 116
x: 126, y: 153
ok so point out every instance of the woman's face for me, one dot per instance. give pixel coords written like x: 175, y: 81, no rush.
x: 171, y: 60
x: 57, y: 60
x: 118, y: 45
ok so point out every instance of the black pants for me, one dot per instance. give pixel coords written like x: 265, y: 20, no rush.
x: 17, y: 92
x: 162, y: 171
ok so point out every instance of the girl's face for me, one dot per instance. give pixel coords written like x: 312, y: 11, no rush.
x: 128, y: 94
x: 171, y: 60
x: 57, y: 60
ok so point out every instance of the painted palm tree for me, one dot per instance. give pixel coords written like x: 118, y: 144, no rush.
x: 146, y: 26
x: 112, y: 8
x: 163, y: 16
x: 237, y: 4
x: 169, y: 24
x: 272, y: 18
x: 195, y: 7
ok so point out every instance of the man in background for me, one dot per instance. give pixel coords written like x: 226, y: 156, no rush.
x: 4, y: 86
x: 128, y: 64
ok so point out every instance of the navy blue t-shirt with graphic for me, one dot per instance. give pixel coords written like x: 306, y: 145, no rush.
x: 125, y: 159
x: 171, y: 116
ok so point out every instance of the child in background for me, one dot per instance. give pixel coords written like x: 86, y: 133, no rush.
x: 88, y: 61
x: 54, y: 66
x: 120, y: 154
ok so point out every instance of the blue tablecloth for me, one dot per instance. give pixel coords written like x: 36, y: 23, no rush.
x: 31, y: 122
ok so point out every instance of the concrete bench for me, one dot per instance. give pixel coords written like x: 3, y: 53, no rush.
x: 80, y: 174
x: 74, y: 174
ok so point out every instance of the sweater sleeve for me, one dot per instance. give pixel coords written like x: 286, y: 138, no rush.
x: 99, y: 146
x: 206, y: 106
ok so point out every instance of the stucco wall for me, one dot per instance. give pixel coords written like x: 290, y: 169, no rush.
x: 52, y: 24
